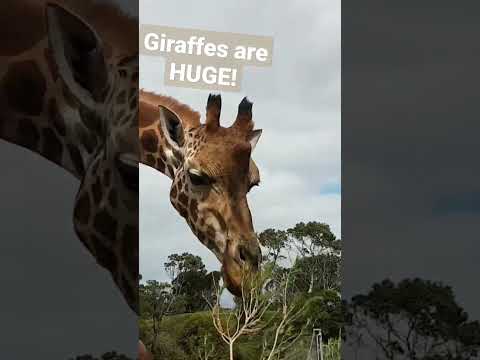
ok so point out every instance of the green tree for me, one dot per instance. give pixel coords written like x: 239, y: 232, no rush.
x: 414, y: 319
x: 191, y: 282
x: 319, y: 252
x: 274, y: 241
x: 156, y: 300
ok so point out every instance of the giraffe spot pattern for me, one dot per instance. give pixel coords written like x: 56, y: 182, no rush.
x: 97, y: 191
x: 28, y: 134
x: 193, y: 210
x: 25, y: 87
x: 91, y: 120
x: 183, y: 199
x: 170, y: 169
x: 105, y: 224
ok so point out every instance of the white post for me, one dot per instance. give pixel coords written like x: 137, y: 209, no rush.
x: 317, y: 333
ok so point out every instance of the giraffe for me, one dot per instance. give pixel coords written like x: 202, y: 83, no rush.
x: 69, y: 92
x: 211, y: 171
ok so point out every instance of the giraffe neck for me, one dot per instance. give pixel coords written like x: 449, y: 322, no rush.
x: 39, y: 111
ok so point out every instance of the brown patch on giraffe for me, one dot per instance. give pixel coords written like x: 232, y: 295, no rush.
x: 170, y: 169
x: 25, y: 87
x: 97, y: 191
x: 82, y: 209
x: 52, y: 66
x: 107, y: 177
x: 112, y: 199
x: 104, y: 255
x: 105, y: 224
x: 56, y: 117
x: 182, y: 211
x: 28, y: 134
x: 183, y: 199
x: 22, y: 26
x: 180, y: 181
x: 52, y: 147
x: 150, y: 141
x: 76, y: 159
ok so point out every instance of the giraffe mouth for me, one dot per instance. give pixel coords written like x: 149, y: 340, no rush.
x: 128, y: 169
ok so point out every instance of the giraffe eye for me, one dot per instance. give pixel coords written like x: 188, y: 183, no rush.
x: 198, y: 178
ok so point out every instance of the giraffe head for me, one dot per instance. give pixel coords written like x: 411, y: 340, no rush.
x: 213, y: 173
x: 99, y: 99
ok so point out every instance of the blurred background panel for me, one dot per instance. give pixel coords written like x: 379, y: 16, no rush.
x: 56, y: 301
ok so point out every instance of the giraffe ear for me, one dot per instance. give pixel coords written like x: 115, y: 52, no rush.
x: 253, y: 137
x: 172, y: 127
x: 77, y: 52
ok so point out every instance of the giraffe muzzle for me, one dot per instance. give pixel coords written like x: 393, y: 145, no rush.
x: 239, y: 261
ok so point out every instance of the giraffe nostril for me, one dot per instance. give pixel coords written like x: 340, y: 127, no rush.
x: 251, y: 256
x: 242, y: 254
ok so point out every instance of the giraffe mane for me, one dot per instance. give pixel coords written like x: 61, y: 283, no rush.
x: 189, y: 117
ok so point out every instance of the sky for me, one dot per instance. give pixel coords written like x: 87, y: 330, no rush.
x: 296, y: 103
